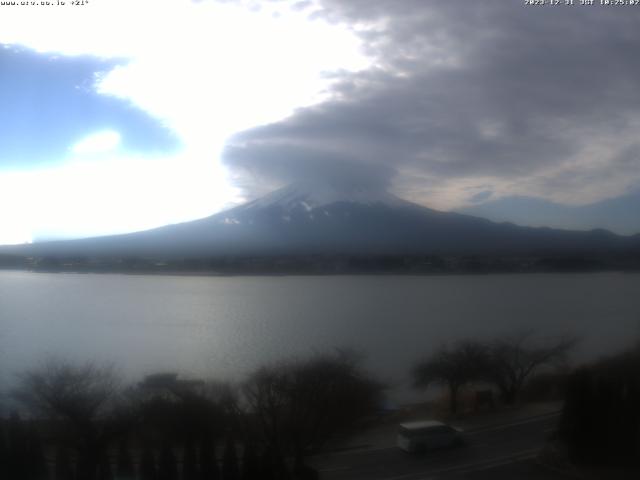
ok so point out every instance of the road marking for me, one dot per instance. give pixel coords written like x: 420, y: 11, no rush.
x: 471, y: 467
x: 537, y: 418
x: 514, y: 424
x: 489, y: 466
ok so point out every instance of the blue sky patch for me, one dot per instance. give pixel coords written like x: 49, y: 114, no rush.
x: 48, y: 104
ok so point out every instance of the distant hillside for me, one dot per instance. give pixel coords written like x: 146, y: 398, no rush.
x: 326, y: 220
x: 617, y: 214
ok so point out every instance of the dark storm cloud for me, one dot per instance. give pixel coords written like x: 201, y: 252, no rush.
x: 467, y: 90
x: 263, y: 167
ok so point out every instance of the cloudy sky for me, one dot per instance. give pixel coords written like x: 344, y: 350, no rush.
x: 121, y: 115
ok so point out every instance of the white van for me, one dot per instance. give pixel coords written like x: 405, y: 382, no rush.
x: 425, y: 435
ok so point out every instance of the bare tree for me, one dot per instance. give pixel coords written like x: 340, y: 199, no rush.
x: 302, y: 404
x: 183, y: 410
x: 452, y: 367
x: 82, y: 398
x: 60, y: 389
x: 513, y: 359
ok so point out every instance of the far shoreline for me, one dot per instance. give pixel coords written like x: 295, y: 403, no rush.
x: 196, y: 273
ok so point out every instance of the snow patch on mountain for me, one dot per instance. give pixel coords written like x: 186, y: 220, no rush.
x: 311, y: 196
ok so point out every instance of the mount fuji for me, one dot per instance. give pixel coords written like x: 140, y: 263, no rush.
x: 308, y: 219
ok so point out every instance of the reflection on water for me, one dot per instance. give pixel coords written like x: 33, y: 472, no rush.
x: 226, y: 326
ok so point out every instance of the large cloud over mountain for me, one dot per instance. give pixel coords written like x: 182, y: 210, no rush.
x: 486, y: 97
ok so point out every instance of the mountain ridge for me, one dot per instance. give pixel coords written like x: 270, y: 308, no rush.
x: 303, y: 219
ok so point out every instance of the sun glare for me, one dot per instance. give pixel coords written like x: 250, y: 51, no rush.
x: 204, y: 69
x: 101, y: 142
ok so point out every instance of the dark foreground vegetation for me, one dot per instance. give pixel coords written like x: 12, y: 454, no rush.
x: 331, y: 264
x: 79, y: 422
x: 600, y: 422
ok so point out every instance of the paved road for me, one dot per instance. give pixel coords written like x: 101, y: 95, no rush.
x: 500, y: 451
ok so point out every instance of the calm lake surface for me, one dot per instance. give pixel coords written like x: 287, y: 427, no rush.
x: 224, y: 327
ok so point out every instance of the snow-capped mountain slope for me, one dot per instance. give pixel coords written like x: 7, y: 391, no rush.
x: 329, y: 219
x: 315, y: 195
x: 309, y: 202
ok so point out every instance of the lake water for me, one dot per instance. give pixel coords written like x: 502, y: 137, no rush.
x: 224, y: 327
